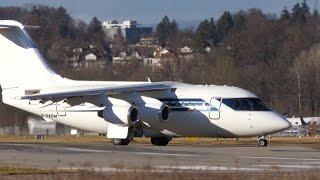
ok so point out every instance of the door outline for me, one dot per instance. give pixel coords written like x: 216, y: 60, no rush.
x: 61, y: 111
x: 215, y: 115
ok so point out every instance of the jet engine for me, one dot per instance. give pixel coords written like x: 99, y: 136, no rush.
x: 120, y: 115
x: 120, y: 112
x: 153, y: 111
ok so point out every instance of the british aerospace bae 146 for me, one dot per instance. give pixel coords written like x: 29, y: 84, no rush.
x: 122, y: 110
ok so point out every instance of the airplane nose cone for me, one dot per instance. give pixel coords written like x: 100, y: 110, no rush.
x: 283, y: 124
x: 270, y: 122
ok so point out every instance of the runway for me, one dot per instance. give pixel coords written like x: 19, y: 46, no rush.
x: 107, y: 157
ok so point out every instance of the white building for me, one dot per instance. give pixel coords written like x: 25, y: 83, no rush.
x: 40, y: 127
x: 90, y: 57
x: 129, y: 30
x: 160, y: 52
x: 115, y: 24
x: 153, y: 62
x: 186, y: 49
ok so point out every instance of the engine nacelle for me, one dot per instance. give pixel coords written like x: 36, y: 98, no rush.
x: 153, y: 111
x: 120, y: 112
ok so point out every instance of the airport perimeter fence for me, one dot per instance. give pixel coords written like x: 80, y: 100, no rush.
x: 25, y: 131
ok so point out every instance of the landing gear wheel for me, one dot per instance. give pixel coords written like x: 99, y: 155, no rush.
x: 121, y: 142
x: 160, y: 141
x: 262, y: 143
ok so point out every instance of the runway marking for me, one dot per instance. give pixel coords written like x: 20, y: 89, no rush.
x: 310, y: 162
x: 288, y: 166
x: 161, y: 169
x: 9, y: 144
x: 277, y: 158
x: 83, y: 150
x: 139, y: 153
x: 209, y: 168
x: 108, y: 169
x: 166, y: 154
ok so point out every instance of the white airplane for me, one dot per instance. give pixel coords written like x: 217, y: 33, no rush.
x: 159, y: 110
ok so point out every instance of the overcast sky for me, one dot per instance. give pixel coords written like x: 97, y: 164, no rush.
x: 151, y: 11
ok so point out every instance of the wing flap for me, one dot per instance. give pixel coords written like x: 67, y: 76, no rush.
x: 89, y: 91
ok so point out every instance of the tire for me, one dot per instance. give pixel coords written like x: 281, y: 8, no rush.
x: 262, y: 143
x: 121, y: 142
x: 160, y: 141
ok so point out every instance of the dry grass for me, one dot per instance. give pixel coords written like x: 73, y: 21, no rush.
x: 168, y: 175
x: 9, y: 170
x: 177, y: 141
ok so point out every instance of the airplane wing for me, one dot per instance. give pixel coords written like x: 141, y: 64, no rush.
x: 91, y: 91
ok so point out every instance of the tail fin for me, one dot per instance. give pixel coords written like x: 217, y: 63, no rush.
x: 21, y: 65
x: 303, y: 122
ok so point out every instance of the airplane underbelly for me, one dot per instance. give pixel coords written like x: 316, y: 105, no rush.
x: 191, y: 123
x: 88, y: 121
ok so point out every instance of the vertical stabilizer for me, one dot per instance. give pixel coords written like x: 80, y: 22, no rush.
x: 21, y: 64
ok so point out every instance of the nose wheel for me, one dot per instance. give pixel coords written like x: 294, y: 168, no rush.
x: 262, y: 142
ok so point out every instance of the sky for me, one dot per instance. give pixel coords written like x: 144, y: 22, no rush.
x: 150, y: 12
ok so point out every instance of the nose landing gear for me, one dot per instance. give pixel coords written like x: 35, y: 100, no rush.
x: 262, y: 141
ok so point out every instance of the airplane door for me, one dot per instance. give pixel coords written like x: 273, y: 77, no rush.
x: 61, y: 109
x: 214, y: 108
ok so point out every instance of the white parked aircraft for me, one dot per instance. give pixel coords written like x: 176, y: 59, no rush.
x: 159, y: 110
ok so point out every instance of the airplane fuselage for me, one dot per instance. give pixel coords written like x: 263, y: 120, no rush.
x: 194, y: 111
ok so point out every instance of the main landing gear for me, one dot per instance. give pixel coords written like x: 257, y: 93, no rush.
x: 262, y: 141
x: 122, y: 141
x: 160, y: 141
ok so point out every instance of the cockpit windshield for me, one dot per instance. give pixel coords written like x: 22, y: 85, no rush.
x: 245, y: 104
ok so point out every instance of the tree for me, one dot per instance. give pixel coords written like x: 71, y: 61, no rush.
x: 64, y: 22
x: 95, y: 26
x: 285, y: 15
x: 224, y: 24
x: 118, y: 43
x: 204, y: 35
x: 300, y: 13
x: 307, y: 68
x: 166, y: 29
x: 35, y: 11
x: 315, y: 13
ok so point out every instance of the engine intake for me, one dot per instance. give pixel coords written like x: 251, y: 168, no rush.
x: 153, y: 111
x: 133, y: 115
x: 164, y: 113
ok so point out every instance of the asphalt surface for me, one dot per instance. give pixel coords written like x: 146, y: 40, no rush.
x: 107, y: 157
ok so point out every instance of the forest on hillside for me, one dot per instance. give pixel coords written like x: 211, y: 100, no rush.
x: 276, y: 57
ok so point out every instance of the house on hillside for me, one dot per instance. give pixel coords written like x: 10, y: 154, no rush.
x: 148, y: 41
x: 158, y: 53
x: 186, y: 50
x: 90, y: 57
x: 152, y: 62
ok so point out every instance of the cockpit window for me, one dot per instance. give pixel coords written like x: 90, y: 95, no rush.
x: 245, y: 104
